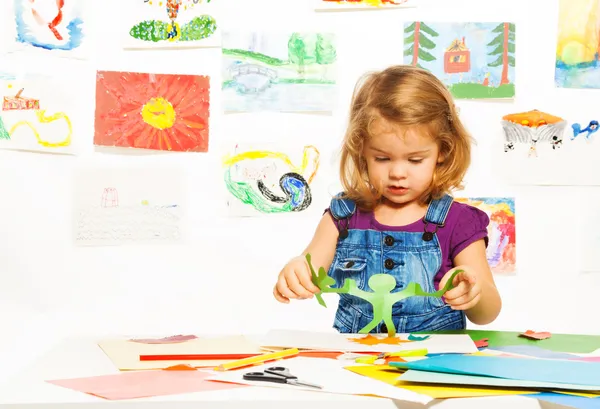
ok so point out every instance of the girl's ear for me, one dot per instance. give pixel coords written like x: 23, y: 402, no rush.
x: 440, y: 158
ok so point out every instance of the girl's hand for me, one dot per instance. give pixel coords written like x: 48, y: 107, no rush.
x: 295, y: 282
x: 466, y: 292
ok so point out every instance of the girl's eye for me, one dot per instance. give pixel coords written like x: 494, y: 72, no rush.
x: 381, y: 159
x: 415, y: 160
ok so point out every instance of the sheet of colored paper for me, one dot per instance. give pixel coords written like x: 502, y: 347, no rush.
x: 533, y: 351
x: 330, y: 375
x: 573, y: 343
x: 525, y: 369
x: 333, y: 341
x: 484, y: 381
x: 125, y: 354
x: 142, y: 384
x: 390, y: 376
x: 569, y: 401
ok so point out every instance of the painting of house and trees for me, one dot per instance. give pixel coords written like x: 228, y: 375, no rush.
x: 475, y: 60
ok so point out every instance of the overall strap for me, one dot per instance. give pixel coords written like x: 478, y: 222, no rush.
x: 436, y: 214
x: 342, y: 209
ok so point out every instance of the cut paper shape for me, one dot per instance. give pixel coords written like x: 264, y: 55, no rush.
x: 535, y: 335
x: 577, y: 44
x: 390, y: 376
x: 525, y: 369
x: 590, y: 129
x: 531, y: 128
x: 125, y: 355
x: 59, y: 27
x: 474, y: 60
x: 381, y: 298
x: 371, y: 340
x: 164, y: 112
x: 165, y: 340
x: 171, y: 24
x: 501, y: 251
x: 343, y: 5
x: 482, y: 343
x: 143, y: 384
x: 264, y: 181
x: 413, y: 337
x: 279, y: 72
x: 180, y: 367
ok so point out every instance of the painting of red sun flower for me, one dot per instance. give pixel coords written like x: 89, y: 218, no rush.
x: 166, y: 112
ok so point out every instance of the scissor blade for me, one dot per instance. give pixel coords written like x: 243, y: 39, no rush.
x: 302, y: 383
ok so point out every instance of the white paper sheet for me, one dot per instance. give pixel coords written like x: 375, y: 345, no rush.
x: 435, y: 344
x: 40, y: 113
x: 149, y: 24
x: 328, y: 373
x: 31, y: 27
x: 120, y: 205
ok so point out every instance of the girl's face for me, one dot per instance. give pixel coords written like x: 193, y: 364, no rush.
x: 400, y: 162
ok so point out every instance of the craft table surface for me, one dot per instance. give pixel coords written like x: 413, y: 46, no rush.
x: 81, y: 357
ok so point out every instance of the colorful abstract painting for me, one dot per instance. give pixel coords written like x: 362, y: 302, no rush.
x: 38, y: 113
x: 578, y: 42
x: 338, y: 5
x: 171, y: 24
x: 281, y: 72
x: 265, y: 180
x: 164, y: 112
x: 53, y: 25
x: 501, y: 250
x: 474, y: 60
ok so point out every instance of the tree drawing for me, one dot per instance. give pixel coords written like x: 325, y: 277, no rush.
x: 325, y: 52
x: 504, y: 44
x: 297, y: 51
x: 415, y: 34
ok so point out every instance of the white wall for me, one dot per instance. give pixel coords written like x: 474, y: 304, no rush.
x: 220, y: 280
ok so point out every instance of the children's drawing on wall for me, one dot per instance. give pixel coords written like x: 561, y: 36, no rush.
x: 265, y: 180
x: 57, y: 26
x: 475, y: 60
x: 164, y: 112
x: 285, y: 72
x: 577, y: 57
x: 37, y: 115
x: 531, y: 129
x: 501, y: 249
x: 584, y: 132
x: 171, y: 24
x: 337, y: 5
x: 115, y: 205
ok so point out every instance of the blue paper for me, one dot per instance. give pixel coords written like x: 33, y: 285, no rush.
x: 542, y: 370
x: 578, y: 402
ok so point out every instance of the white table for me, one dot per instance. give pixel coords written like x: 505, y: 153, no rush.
x: 81, y: 357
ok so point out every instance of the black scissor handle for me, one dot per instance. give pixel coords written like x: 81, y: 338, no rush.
x: 261, y: 376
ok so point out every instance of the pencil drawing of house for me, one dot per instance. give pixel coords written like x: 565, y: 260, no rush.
x: 457, y: 57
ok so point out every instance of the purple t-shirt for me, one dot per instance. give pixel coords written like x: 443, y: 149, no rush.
x: 464, y: 225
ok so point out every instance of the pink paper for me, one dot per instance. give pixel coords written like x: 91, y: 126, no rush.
x: 142, y: 384
x: 167, y: 340
x: 587, y: 359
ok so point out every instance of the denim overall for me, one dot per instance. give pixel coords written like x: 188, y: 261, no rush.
x: 408, y: 256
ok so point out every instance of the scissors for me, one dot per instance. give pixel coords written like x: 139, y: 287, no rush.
x: 278, y: 374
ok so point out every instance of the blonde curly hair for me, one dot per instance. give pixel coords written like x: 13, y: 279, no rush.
x: 404, y: 96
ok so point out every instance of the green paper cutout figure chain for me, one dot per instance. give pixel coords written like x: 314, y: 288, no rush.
x: 381, y: 298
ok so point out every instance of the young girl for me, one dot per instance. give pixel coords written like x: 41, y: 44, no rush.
x: 404, y: 150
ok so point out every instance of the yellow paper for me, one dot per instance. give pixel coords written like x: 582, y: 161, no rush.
x: 125, y: 354
x: 390, y: 375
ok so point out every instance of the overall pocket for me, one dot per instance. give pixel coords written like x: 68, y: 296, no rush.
x: 349, y: 268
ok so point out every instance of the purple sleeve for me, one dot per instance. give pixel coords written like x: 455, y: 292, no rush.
x: 471, y: 226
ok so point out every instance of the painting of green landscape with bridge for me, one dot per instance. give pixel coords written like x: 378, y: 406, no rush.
x: 281, y: 72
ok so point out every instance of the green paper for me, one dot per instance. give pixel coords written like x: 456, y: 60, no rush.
x: 573, y: 343
x: 381, y: 298
x: 412, y: 337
